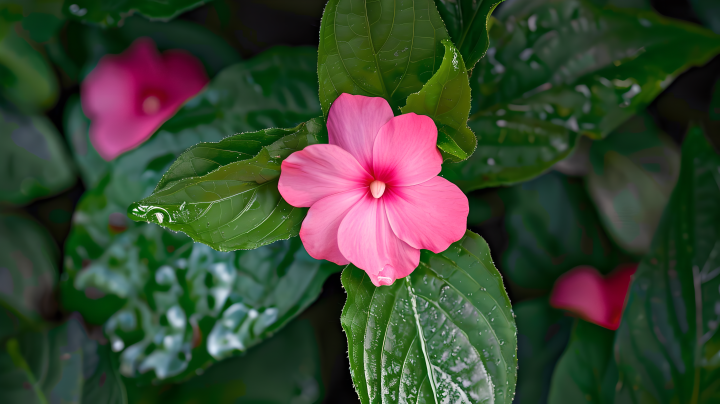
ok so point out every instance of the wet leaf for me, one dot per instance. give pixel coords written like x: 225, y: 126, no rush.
x: 382, y: 48
x: 28, y: 268
x: 580, y: 373
x: 552, y: 227
x: 33, y: 160
x: 667, y: 348
x: 444, y: 333
x: 558, y: 69
x: 543, y: 334
x: 284, y: 369
x: 634, y: 170
x: 467, y: 22
x: 59, y: 365
x: 446, y: 99
x: 238, y: 205
x: 109, y: 13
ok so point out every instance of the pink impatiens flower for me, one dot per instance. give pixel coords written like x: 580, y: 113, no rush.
x: 374, y: 195
x: 128, y: 96
x: 586, y: 293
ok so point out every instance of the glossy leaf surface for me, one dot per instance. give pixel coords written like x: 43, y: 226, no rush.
x: 285, y: 369
x: 552, y: 227
x: 61, y: 365
x: 109, y: 13
x: 28, y: 267
x: 559, y: 69
x: 33, y: 160
x: 467, y: 22
x: 580, y: 373
x: 634, y: 170
x: 379, y: 48
x: 444, y: 333
x: 238, y: 205
x: 667, y: 348
x: 446, y: 99
x: 543, y: 333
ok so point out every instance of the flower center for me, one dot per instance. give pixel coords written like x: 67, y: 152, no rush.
x: 151, y: 105
x: 377, y: 188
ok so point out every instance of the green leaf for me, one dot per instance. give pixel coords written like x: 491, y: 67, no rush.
x: 467, y: 22
x: 209, y: 305
x: 667, y: 348
x: 543, y: 334
x: 28, y: 268
x: 579, y: 374
x: 284, y: 369
x: 379, y: 48
x: 33, y: 160
x: 445, y: 333
x: 61, y: 365
x: 634, y: 170
x: 558, y: 69
x: 552, y: 228
x: 446, y: 99
x: 26, y: 78
x: 109, y: 13
x: 238, y: 205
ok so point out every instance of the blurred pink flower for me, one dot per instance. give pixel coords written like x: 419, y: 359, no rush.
x: 586, y: 293
x: 374, y: 195
x: 128, y: 96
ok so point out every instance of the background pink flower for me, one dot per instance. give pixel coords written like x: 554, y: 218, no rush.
x: 374, y: 195
x: 584, y: 292
x: 128, y: 96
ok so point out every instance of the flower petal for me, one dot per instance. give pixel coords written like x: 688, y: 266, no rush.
x: 353, y: 123
x: 319, y: 231
x: 583, y: 291
x: 113, y: 136
x: 366, y: 239
x: 431, y: 215
x: 405, y: 151
x: 318, y: 171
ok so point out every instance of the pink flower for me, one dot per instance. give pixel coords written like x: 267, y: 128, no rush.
x: 374, y: 195
x: 128, y: 96
x: 586, y: 293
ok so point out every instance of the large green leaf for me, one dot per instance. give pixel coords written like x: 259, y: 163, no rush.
x: 378, y: 48
x: 277, y: 88
x: 580, y: 373
x: 108, y: 13
x: 445, y: 333
x: 543, y: 334
x: 28, y: 268
x: 205, y: 305
x: 285, y: 369
x: 446, y: 99
x: 467, y: 22
x: 558, y: 69
x: 238, y: 205
x: 26, y: 78
x: 61, y: 365
x: 33, y: 160
x: 552, y: 228
x: 634, y: 170
x: 667, y: 348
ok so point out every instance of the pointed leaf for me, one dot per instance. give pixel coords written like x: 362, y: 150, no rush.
x: 558, y: 69
x: 238, y: 205
x: 446, y: 99
x: 444, y: 333
x: 379, y: 48
x: 467, y: 22
x: 667, y: 348
x: 109, y: 13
